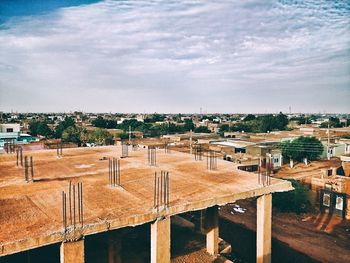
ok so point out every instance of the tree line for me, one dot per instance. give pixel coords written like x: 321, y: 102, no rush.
x: 69, y: 132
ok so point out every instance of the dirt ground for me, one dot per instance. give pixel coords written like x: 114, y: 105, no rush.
x: 303, y: 172
x: 320, y: 236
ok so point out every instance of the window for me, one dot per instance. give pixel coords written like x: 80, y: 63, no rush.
x: 327, y: 200
x: 9, y: 129
x: 339, y: 203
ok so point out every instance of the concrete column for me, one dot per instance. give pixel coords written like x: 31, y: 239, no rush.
x: 263, y: 228
x: 114, y: 248
x: 72, y: 252
x: 212, y: 230
x: 160, y: 241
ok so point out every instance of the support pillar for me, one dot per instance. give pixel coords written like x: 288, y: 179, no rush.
x: 72, y: 252
x: 114, y: 248
x: 160, y: 241
x: 263, y: 228
x: 212, y: 230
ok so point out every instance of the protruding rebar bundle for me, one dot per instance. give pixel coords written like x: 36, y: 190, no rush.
x: 211, y: 160
x: 152, y: 156
x: 17, y: 156
x: 198, y: 152
x: 161, y: 194
x: 59, y: 147
x: 264, y: 178
x: 21, y: 155
x: 64, y: 210
x: 26, y: 169
x: 114, y: 172
x: 31, y: 168
x: 75, y: 198
x: 166, y: 147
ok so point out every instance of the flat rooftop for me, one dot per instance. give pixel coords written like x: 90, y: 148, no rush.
x: 31, y: 213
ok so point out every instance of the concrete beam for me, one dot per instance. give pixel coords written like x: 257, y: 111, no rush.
x: 114, y: 248
x: 263, y: 228
x: 212, y: 230
x: 160, y: 241
x: 72, y: 252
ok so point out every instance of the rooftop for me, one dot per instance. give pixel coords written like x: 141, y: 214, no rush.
x: 31, y: 213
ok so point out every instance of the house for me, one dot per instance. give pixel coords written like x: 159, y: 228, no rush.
x: 334, y: 192
x: 9, y: 127
x: 10, y: 132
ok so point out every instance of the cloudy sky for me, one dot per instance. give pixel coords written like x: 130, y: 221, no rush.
x: 175, y: 56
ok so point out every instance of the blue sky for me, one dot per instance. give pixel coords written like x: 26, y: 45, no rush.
x: 176, y: 56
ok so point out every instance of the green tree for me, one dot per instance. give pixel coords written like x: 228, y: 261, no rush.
x: 188, y: 125
x: 249, y: 117
x: 333, y: 122
x: 202, y: 129
x: 40, y: 128
x: 101, y: 137
x: 224, y: 128
x: 302, y: 147
x: 73, y: 134
x: 296, y: 201
x: 63, y: 125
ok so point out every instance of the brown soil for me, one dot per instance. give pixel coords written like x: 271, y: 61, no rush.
x: 322, y: 237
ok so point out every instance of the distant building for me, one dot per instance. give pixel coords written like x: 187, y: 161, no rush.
x: 10, y: 132
x: 10, y: 127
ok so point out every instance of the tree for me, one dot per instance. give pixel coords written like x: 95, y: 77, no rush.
x: 63, y: 125
x: 224, y: 128
x: 188, y: 125
x: 293, y: 201
x: 73, y: 134
x: 101, y: 137
x: 333, y: 122
x: 40, y: 128
x: 249, y: 117
x: 302, y: 147
x: 202, y: 129
x: 100, y: 122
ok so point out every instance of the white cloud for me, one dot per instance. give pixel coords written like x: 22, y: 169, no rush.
x: 177, y: 56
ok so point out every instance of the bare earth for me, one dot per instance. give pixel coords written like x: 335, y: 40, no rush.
x: 324, y: 238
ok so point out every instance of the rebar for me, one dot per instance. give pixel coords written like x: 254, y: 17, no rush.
x: 161, y: 194
x: 26, y: 168
x: 21, y: 156
x: 74, y: 222
x: 75, y: 201
x: 70, y: 202
x: 152, y: 156
x: 17, y: 156
x: 31, y: 168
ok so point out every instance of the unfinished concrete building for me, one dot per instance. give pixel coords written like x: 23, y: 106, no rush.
x: 84, y: 194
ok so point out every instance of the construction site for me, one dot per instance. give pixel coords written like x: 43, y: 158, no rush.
x: 123, y: 203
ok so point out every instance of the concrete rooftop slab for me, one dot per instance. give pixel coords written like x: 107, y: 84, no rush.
x: 31, y: 213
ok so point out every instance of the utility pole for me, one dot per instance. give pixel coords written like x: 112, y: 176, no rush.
x: 328, y: 144
x: 129, y: 134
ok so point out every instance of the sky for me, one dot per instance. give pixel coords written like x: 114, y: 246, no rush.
x: 175, y: 56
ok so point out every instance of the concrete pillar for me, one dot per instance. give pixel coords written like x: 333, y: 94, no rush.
x: 263, y: 228
x: 212, y: 230
x: 114, y: 248
x: 160, y: 241
x: 72, y: 252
